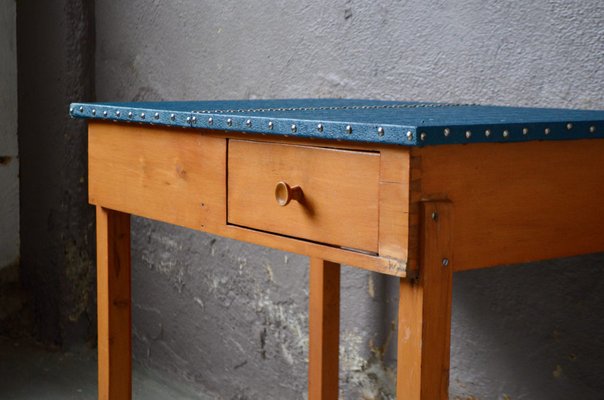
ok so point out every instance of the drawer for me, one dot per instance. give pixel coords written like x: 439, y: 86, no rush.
x: 338, y: 192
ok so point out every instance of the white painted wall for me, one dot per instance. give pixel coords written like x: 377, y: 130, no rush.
x: 9, y: 163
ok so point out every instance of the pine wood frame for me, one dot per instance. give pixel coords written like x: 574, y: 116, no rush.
x: 441, y: 209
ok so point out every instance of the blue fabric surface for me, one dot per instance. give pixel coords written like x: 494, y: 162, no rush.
x: 373, y: 121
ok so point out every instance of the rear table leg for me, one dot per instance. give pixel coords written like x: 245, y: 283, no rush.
x: 324, y: 330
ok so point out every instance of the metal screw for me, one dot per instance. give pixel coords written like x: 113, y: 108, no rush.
x: 445, y: 262
x: 156, y: 116
x: 487, y: 133
x: 435, y: 216
x: 194, y: 120
x: 104, y: 113
x: 173, y: 117
x: 130, y: 114
x: 229, y: 122
x: 320, y: 127
x: 381, y: 131
x: 592, y: 129
x: 294, y: 128
x: 422, y: 136
x: 188, y: 119
x: 547, y: 131
x: 468, y: 134
x: 270, y: 124
x: 93, y: 111
x: 142, y: 115
x: 409, y: 135
x: 210, y: 121
x: 71, y: 110
x: 81, y: 109
x: 525, y: 131
x: 506, y: 133
x: 569, y: 126
x: 248, y: 122
x: 447, y: 132
x: 348, y: 129
x: 117, y: 113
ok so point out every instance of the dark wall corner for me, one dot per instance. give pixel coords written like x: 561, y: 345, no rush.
x: 56, y: 47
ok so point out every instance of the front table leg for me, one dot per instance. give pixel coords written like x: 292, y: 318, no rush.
x: 424, y: 316
x: 324, y: 330
x: 113, y: 300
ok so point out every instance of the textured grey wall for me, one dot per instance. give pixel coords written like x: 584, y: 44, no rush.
x: 55, y: 42
x: 231, y: 316
x: 9, y: 162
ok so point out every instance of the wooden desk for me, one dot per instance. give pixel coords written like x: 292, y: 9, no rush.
x: 411, y: 190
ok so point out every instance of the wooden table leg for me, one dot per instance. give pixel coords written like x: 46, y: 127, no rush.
x: 424, y: 317
x: 113, y: 300
x: 324, y: 330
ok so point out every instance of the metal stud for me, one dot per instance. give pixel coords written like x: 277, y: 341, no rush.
x: 409, y: 135
x: 447, y: 132
x: 93, y: 111
x: 445, y: 262
x: 487, y: 133
x: 380, y: 131
x: 506, y: 133
x: 156, y: 115
x: 104, y: 113
x: 422, y: 136
x: 143, y: 115
x: 71, y: 110
x: 194, y: 120
x: 348, y: 129
x: 547, y: 131
x: 525, y: 131
x: 188, y: 119
x: 320, y: 127
x: 248, y: 122
x: 270, y: 124
x: 294, y: 128
x: 210, y: 121
x: 118, y: 113
x: 81, y: 109
x: 173, y: 117
x: 592, y: 129
x: 130, y: 114
x: 569, y: 126
x: 468, y: 134
x: 229, y: 122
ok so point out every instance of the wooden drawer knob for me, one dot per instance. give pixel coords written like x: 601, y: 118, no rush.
x: 285, y: 193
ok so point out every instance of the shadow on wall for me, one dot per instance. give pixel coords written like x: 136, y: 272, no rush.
x: 530, y: 330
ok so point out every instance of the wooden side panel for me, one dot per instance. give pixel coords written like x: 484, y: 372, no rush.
x: 114, y: 304
x: 172, y: 176
x: 324, y: 330
x: 180, y: 177
x: 424, y: 315
x: 517, y: 202
x: 340, y: 200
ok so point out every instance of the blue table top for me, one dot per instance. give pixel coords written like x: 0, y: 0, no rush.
x: 369, y: 121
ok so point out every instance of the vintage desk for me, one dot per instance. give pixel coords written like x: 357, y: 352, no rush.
x: 414, y: 190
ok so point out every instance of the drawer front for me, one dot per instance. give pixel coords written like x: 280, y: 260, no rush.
x: 339, y: 192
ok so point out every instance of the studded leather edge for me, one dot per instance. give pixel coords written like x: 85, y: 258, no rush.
x: 342, y: 131
x: 517, y: 132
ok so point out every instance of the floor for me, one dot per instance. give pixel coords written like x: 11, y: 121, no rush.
x: 28, y: 371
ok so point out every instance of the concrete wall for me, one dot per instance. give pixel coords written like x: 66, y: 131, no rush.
x: 55, y: 54
x: 9, y: 162
x: 232, y: 317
